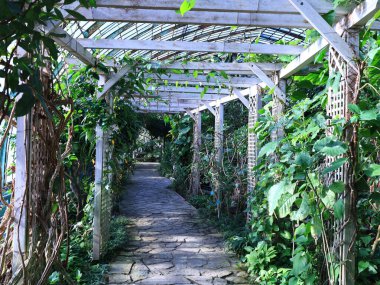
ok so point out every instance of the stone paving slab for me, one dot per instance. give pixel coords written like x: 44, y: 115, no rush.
x: 170, y: 244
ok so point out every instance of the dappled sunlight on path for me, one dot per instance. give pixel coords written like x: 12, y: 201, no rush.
x: 169, y: 243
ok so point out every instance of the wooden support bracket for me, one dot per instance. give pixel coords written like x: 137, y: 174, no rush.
x: 269, y: 82
x: 241, y: 97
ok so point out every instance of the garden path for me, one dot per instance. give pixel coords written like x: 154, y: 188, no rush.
x: 170, y: 244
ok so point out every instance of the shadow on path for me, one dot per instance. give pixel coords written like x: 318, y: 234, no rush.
x: 169, y: 243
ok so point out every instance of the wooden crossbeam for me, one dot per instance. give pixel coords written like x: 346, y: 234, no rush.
x: 112, y: 81
x: 204, y: 80
x: 357, y: 18
x: 260, y: 74
x: 70, y: 44
x: 243, y: 6
x: 188, y: 90
x: 327, y: 32
x: 211, y: 109
x: 241, y: 98
x: 195, y: 18
x: 212, y: 47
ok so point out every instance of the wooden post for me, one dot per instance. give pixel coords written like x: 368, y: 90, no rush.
x: 337, y: 107
x: 219, y: 122
x: 278, y: 107
x: 255, y: 105
x: 20, y: 193
x: 99, y: 157
x: 195, y: 167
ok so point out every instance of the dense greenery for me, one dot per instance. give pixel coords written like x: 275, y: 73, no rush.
x: 291, y: 233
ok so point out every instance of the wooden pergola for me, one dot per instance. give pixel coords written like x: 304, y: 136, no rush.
x: 152, y: 29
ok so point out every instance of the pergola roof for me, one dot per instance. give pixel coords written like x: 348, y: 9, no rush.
x: 207, y: 34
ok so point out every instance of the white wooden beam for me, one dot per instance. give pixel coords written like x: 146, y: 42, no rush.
x: 260, y: 74
x: 112, y: 81
x: 243, y: 6
x: 241, y: 98
x: 234, y: 67
x: 188, y: 90
x: 359, y: 17
x: 70, y: 44
x: 195, y: 18
x: 181, y: 96
x: 211, y: 109
x: 20, y: 192
x: 327, y: 32
x: 213, y: 47
x: 204, y: 80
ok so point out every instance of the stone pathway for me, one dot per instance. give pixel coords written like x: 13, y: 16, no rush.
x: 169, y: 243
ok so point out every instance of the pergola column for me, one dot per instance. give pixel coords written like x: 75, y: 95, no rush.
x: 23, y: 141
x: 255, y: 105
x: 337, y: 107
x: 195, y: 167
x: 99, y: 163
x: 218, y: 141
x: 278, y: 107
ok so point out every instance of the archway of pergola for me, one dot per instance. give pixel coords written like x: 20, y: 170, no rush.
x: 215, y: 36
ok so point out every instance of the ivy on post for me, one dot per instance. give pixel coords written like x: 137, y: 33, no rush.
x: 218, y: 141
x: 345, y: 92
x: 255, y: 105
x: 99, y: 163
x: 197, y: 140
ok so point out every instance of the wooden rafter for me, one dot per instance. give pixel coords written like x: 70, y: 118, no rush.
x: 358, y: 17
x: 190, y: 46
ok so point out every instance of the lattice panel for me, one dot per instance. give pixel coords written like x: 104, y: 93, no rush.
x: 253, y: 116
x: 337, y: 108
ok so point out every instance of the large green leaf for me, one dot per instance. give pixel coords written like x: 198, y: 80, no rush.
x: 267, y: 149
x: 303, y: 211
x: 300, y: 263
x: 275, y: 193
x: 285, y: 204
x: 303, y: 159
x: 373, y: 170
x: 335, y: 165
x: 339, y: 209
x: 26, y: 102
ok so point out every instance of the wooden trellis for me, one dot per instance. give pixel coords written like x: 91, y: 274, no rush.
x: 345, y: 231
x: 260, y: 14
x: 255, y: 105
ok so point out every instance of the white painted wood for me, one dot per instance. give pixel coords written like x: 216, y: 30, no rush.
x: 224, y: 100
x: 188, y: 90
x: 204, y: 80
x: 232, y: 68
x: 182, y: 96
x: 193, y: 18
x: 360, y: 15
x: 241, y: 98
x: 112, y: 81
x: 98, y: 193
x: 99, y: 158
x: 70, y: 44
x: 20, y: 228
x: 327, y: 32
x: 220, y: 66
x: 245, y: 6
x: 211, y: 109
x: 260, y: 74
x: 190, y: 46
